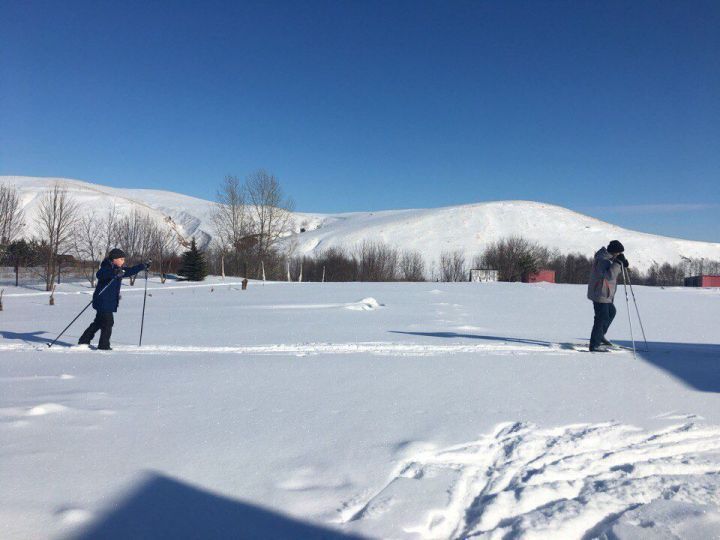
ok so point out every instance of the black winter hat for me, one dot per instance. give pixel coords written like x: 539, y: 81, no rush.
x: 615, y: 247
x: 116, y: 253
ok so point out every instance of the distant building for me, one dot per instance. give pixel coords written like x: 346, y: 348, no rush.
x: 483, y: 275
x: 547, y: 276
x: 702, y: 281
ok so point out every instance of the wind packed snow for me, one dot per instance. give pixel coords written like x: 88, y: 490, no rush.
x: 307, y: 410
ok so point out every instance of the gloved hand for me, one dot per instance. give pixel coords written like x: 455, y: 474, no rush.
x: 147, y: 264
x: 622, y: 260
x: 119, y: 272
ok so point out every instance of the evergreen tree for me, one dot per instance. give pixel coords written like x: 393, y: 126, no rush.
x: 193, y: 266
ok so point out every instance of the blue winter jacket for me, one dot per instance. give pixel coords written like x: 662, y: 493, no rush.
x: 109, y: 300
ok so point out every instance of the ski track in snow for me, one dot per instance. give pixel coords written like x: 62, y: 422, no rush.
x: 520, y: 481
x: 380, y: 348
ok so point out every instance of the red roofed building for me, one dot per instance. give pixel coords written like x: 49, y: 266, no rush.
x: 702, y: 281
x: 547, y: 276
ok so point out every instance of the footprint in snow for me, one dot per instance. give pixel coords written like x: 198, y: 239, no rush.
x: 678, y: 416
x: 311, y: 478
x: 37, y: 410
x: 46, y: 409
x: 562, y: 482
x: 73, y: 516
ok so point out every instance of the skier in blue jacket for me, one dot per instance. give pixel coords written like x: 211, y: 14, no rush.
x: 111, y: 272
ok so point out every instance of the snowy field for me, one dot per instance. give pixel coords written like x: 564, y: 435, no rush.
x: 296, y: 410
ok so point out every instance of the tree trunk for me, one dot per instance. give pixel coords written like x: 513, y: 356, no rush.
x: 49, y: 275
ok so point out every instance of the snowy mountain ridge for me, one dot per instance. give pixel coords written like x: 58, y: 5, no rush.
x: 469, y: 228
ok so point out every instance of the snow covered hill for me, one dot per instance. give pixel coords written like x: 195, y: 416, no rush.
x: 469, y: 228
x: 187, y: 216
x: 472, y: 227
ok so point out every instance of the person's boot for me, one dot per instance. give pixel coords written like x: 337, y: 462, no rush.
x: 607, y: 342
x: 86, y: 337
x: 599, y: 348
x: 104, y: 344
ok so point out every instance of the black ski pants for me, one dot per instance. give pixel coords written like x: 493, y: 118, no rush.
x: 104, y: 321
x: 604, y: 315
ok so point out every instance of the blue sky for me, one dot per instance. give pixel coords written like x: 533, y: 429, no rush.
x: 608, y: 108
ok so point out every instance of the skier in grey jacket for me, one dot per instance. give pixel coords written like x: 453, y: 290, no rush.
x: 602, y: 285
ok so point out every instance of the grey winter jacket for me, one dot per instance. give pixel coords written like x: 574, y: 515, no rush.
x: 603, y: 278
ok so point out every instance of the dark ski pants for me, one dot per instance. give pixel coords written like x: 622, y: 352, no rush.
x: 604, y: 315
x: 104, y: 321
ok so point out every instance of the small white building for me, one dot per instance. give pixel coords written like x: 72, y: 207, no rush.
x: 483, y: 275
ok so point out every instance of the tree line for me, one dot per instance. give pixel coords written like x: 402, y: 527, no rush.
x: 514, y: 258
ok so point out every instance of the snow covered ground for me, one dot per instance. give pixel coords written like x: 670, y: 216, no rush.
x: 298, y: 410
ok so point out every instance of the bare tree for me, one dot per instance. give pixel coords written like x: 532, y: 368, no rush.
x: 452, y: 266
x: 109, y: 228
x: 89, y: 244
x: 148, y: 237
x: 55, y: 221
x: 93, y: 238
x: 377, y: 262
x: 514, y: 257
x: 570, y: 268
x: 136, y: 235
x: 698, y: 267
x: 665, y: 275
x: 18, y: 253
x: 412, y: 266
x: 231, y: 219
x: 11, y: 214
x: 270, y: 210
x: 129, y: 233
x: 163, y: 244
x: 340, y: 265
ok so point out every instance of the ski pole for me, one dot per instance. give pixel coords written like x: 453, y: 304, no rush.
x: 627, y: 303
x: 142, y: 320
x: 637, y: 310
x: 78, y: 316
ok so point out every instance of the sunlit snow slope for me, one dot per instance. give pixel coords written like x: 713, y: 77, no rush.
x: 469, y: 228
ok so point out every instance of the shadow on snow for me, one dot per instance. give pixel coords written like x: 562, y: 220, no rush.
x: 475, y: 336
x: 31, y: 337
x: 695, y: 364
x: 165, y: 508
